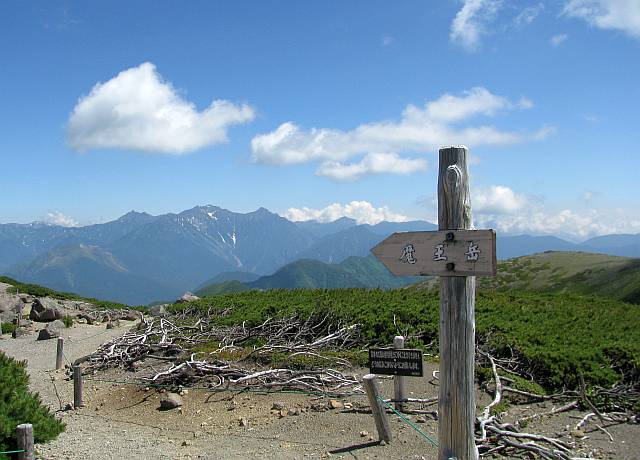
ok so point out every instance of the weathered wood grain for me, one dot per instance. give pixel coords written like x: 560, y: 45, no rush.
x: 456, y: 406
x: 472, y: 252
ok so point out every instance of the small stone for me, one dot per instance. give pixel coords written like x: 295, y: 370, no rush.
x: 278, y: 405
x: 204, y: 424
x: 170, y: 401
x: 335, y: 404
x: 383, y: 442
x: 364, y: 434
x: 577, y: 433
x: 283, y: 413
x: 293, y: 411
x: 186, y: 443
x: 348, y: 405
x: 421, y: 420
x: 197, y: 434
x: 243, y: 422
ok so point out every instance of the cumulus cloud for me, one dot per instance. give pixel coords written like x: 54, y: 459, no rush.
x: 472, y: 22
x: 510, y: 212
x: 372, y: 163
x: 57, y: 218
x: 623, y: 15
x: 137, y: 110
x: 362, y: 211
x: 497, y: 199
x: 446, y: 120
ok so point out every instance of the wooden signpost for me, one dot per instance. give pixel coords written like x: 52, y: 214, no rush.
x: 457, y: 254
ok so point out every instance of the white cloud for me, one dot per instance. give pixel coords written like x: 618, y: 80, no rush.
x: 497, y: 199
x: 362, y: 211
x: 472, y: 21
x: 443, y: 121
x: 528, y: 15
x: 137, y: 110
x: 57, y: 218
x: 621, y: 15
x: 509, y: 212
x: 557, y: 40
x: 372, y: 163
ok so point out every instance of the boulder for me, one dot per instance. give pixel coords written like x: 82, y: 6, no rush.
x: 170, y: 401
x: 20, y: 331
x: 10, y: 307
x: 131, y: 315
x: 44, y: 310
x: 187, y: 297
x: 158, y: 310
x: 51, y: 330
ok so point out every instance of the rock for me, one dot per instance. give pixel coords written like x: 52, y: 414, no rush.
x: 364, y: 434
x: 10, y: 308
x: 170, y: 401
x: 283, y: 413
x: 421, y: 420
x: 131, y: 315
x: 187, y: 297
x: 243, y: 422
x: 44, y: 310
x: 383, y: 442
x: 335, y: 404
x: 158, y: 310
x: 186, y: 443
x: 278, y: 405
x: 19, y: 332
x: 577, y: 433
x: 111, y: 325
x: 51, y: 330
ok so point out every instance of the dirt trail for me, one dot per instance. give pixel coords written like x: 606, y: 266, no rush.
x: 122, y: 421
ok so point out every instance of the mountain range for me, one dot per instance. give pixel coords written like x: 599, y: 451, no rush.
x: 140, y: 258
x: 353, y: 272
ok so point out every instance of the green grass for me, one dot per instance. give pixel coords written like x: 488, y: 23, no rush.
x: 577, y: 272
x: 558, y: 336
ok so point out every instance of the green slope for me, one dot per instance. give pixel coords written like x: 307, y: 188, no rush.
x: 352, y: 272
x: 579, y: 272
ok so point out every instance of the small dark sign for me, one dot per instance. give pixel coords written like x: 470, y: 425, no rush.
x: 391, y: 361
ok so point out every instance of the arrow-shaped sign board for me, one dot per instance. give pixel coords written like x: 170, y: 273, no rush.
x: 443, y: 253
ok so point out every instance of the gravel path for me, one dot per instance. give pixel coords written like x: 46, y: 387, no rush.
x: 122, y: 422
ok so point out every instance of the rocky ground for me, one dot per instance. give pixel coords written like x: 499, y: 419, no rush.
x: 122, y: 420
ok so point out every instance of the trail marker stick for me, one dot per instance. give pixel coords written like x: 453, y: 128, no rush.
x: 398, y: 380
x: 24, y: 437
x: 59, y: 351
x: 379, y: 415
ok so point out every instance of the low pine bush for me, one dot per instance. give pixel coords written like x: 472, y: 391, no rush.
x: 18, y: 405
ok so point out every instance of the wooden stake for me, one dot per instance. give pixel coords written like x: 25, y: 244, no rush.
x: 377, y: 409
x: 59, y: 353
x: 24, y: 436
x: 398, y: 380
x: 77, y: 387
x: 456, y: 406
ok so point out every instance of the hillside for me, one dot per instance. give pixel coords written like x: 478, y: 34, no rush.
x: 353, y: 272
x: 571, y: 272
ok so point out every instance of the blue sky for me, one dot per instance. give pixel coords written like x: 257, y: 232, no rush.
x: 322, y: 109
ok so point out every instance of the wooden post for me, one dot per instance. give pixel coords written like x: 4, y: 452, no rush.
x: 377, y: 409
x: 24, y: 436
x: 59, y: 351
x: 398, y: 380
x: 456, y: 405
x: 77, y: 387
